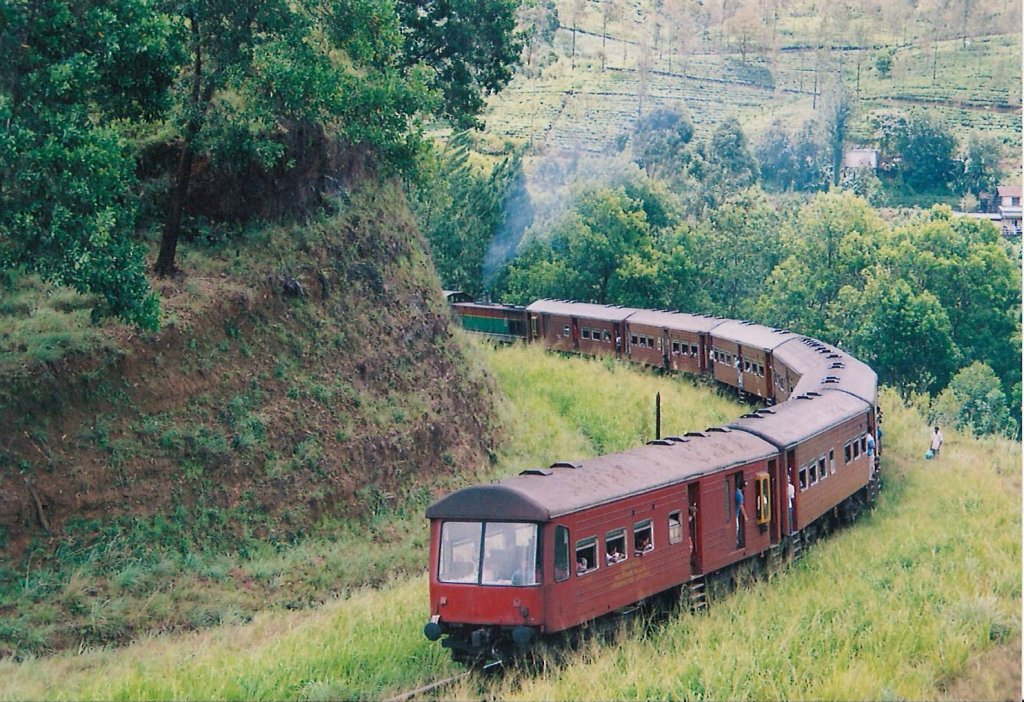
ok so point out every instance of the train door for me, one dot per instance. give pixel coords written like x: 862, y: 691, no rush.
x: 791, y: 502
x: 666, y: 349
x: 694, y: 528
x: 769, y: 378
x: 575, y: 333
x: 776, y: 496
x: 702, y: 352
x: 619, y: 335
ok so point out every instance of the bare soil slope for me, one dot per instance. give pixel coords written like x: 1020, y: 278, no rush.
x: 311, y: 371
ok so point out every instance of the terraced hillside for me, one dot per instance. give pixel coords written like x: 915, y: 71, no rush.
x: 601, y: 76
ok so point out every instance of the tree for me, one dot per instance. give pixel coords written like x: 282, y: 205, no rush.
x: 903, y: 335
x: 980, y: 165
x: 470, y: 47
x: 737, y: 250
x: 660, y: 141
x: 836, y: 236
x: 726, y: 163
x: 367, y: 71
x: 883, y: 62
x: 619, y: 245
x: 838, y: 113
x: 974, y: 401
x: 67, y: 211
x: 926, y: 152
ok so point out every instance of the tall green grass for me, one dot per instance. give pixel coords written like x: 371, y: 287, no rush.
x: 895, y: 607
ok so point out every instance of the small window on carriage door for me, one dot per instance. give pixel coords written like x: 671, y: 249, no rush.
x: 565, y: 330
x: 675, y: 527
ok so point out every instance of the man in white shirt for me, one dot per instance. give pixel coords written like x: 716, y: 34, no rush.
x: 936, y: 442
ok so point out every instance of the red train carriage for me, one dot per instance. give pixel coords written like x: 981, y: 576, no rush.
x: 552, y: 548
x: 823, y: 441
x: 673, y: 339
x: 579, y: 327
x: 741, y: 354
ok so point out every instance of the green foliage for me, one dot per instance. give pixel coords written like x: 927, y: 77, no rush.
x: 974, y: 402
x: 884, y: 60
x: 617, y: 245
x: 905, y: 336
x: 469, y: 46
x: 660, y: 140
x: 66, y: 175
x: 792, y: 162
x: 471, y: 215
x: 925, y: 149
x: 980, y: 165
x: 736, y: 251
x: 726, y: 163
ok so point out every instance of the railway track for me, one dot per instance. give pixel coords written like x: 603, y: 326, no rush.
x: 491, y: 667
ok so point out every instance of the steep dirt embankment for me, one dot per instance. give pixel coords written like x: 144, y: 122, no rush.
x: 311, y: 371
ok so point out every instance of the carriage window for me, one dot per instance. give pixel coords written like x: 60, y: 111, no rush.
x: 675, y: 347
x: 633, y: 340
x: 561, y: 553
x: 643, y: 537
x: 586, y: 555
x: 821, y: 468
x: 460, y: 552
x: 832, y: 460
x: 812, y: 470
x: 864, y: 444
x: 803, y: 478
x: 693, y: 350
x: 846, y: 450
x: 659, y: 343
x: 586, y: 333
x: 608, y: 336
x: 856, y: 449
x: 675, y: 528
x: 565, y: 330
x: 510, y: 554
x: 615, y: 546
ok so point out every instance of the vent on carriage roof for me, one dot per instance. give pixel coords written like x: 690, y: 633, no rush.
x: 695, y: 433
x: 719, y: 430
x: 750, y: 415
x: 813, y: 394
x: 766, y: 410
x: 834, y: 355
x: 659, y: 442
x: 837, y: 364
x: 566, y: 464
x: 677, y: 439
x: 535, y: 471
x: 829, y: 379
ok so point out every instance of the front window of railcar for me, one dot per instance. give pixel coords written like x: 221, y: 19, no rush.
x: 460, y: 552
x: 510, y: 553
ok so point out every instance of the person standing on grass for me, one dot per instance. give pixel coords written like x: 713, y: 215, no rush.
x: 936, y: 442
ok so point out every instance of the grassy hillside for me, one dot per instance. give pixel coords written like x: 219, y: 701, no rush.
x: 583, y: 103
x: 306, y: 382
x: 919, y: 600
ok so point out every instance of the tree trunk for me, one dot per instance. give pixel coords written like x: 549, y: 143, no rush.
x: 172, y: 226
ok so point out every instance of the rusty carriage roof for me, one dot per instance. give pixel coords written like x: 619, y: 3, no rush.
x: 590, y: 310
x: 751, y: 334
x: 675, y: 321
x: 822, y: 366
x: 802, y: 417
x: 565, y: 488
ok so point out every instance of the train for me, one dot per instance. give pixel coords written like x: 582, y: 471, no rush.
x: 561, y: 547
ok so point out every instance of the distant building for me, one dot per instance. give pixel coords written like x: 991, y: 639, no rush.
x: 1003, y: 210
x: 861, y: 157
x: 1009, y: 209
